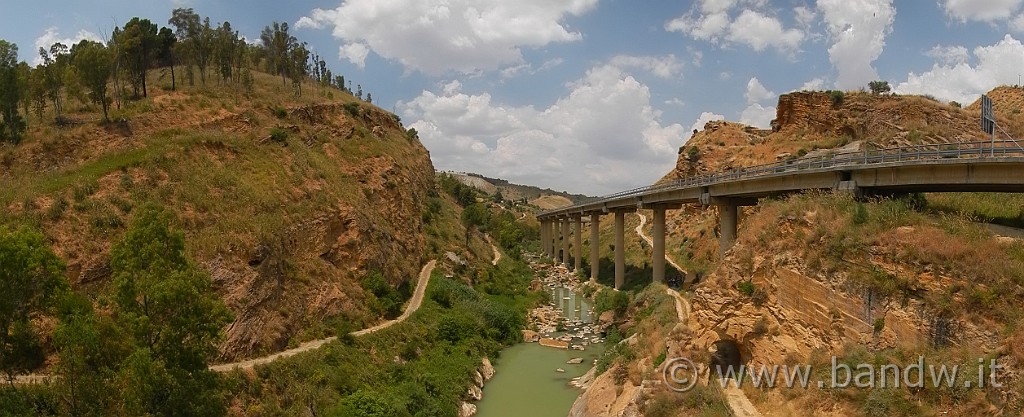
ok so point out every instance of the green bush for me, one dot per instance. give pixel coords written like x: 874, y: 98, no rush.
x: 278, y: 135
x: 609, y: 300
x: 352, y: 109
x: 746, y: 288
x: 837, y: 97
x: 364, y: 404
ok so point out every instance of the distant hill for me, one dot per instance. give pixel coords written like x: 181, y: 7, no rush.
x: 541, y: 197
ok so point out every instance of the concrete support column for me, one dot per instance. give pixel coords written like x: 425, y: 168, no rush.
x: 553, y: 239
x: 565, y: 242
x: 658, y: 252
x: 620, y: 250
x: 728, y: 217
x: 595, y: 249
x: 577, y: 244
x: 543, y: 237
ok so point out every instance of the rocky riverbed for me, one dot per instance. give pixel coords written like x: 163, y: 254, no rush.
x: 550, y: 324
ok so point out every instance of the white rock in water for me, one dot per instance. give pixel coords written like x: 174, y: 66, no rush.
x: 467, y: 410
x: 575, y: 361
x: 559, y: 370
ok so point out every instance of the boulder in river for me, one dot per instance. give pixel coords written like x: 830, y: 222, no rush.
x: 575, y: 361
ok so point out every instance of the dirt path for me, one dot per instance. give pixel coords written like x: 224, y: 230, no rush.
x: 497, y: 253
x: 738, y: 401
x: 640, y: 231
x: 414, y: 304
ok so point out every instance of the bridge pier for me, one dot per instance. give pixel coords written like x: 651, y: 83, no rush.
x: 620, y: 251
x: 565, y: 242
x: 552, y: 238
x: 595, y: 249
x: 543, y: 237
x: 728, y: 218
x: 578, y: 243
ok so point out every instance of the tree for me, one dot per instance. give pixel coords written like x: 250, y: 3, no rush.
x: 139, y: 45
x: 278, y: 45
x: 195, y: 39
x: 299, y: 67
x: 879, y: 87
x: 92, y: 62
x: 167, y: 306
x: 165, y: 52
x: 12, y: 126
x: 31, y: 277
x: 51, y: 77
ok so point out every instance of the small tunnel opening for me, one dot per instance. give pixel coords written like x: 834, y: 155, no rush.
x: 726, y: 359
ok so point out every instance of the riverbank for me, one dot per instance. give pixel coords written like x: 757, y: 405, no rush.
x: 561, y: 343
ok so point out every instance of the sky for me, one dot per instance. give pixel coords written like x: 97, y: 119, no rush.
x: 595, y: 96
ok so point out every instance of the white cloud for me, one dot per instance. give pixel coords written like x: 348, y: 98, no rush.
x: 858, y: 29
x: 949, y: 55
x: 710, y: 21
x: 662, y: 66
x: 675, y: 101
x: 756, y: 114
x: 760, y: 31
x: 52, y: 36
x: 804, y: 16
x: 704, y: 118
x: 997, y: 64
x: 356, y: 53
x: 1017, y: 24
x: 603, y: 135
x: 756, y: 92
x: 813, y: 85
x: 724, y: 75
x: 985, y: 11
x: 437, y: 36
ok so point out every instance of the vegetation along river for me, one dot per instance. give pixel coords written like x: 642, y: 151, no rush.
x: 526, y: 381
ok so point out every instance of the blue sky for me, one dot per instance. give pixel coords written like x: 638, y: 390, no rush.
x: 594, y: 96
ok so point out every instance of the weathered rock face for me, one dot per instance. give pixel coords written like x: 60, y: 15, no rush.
x: 800, y: 313
x: 812, y: 112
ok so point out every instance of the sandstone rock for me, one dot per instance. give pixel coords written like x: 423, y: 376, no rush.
x: 559, y: 370
x: 467, y: 410
x: 486, y: 369
x: 554, y: 343
x: 474, y: 393
x: 478, y: 379
x: 575, y: 361
x: 530, y: 336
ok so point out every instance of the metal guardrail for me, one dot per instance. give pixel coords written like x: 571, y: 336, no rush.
x: 910, y: 153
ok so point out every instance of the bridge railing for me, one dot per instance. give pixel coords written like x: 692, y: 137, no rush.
x: 837, y: 159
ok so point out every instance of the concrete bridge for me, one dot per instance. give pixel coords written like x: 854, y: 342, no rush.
x: 996, y: 166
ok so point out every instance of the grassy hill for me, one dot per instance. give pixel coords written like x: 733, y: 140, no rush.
x: 287, y: 201
x: 543, y: 198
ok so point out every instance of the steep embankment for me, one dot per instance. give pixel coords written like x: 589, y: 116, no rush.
x: 875, y: 281
x: 286, y: 201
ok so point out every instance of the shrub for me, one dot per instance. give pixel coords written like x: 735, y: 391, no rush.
x: 608, y: 300
x: 279, y: 112
x: 352, y: 109
x: 278, y: 135
x: 837, y: 97
x: 746, y: 288
x: 693, y: 154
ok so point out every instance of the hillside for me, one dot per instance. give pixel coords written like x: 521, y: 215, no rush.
x: 543, y: 198
x: 879, y: 280
x: 288, y: 202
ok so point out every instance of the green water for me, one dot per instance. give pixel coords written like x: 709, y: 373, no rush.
x: 525, y: 382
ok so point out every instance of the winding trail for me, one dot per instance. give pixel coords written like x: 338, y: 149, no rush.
x: 414, y: 304
x: 735, y: 397
x: 497, y: 253
x: 640, y: 231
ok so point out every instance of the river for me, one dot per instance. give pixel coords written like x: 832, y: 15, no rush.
x: 526, y: 382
